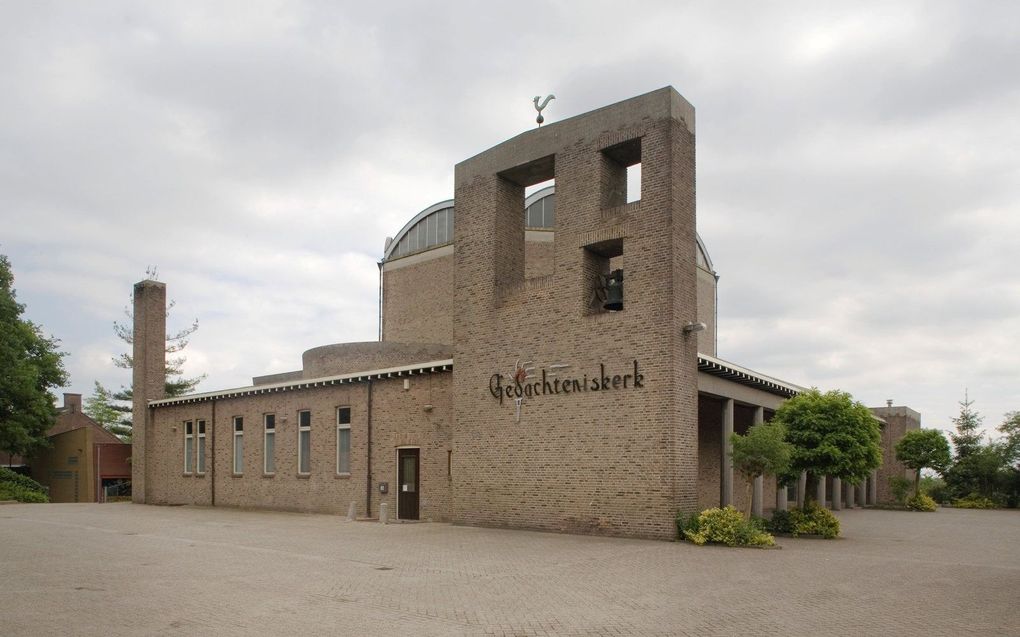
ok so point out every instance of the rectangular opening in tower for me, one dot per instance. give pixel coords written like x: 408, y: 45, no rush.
x: 512, y: 218
x: 620, y: 165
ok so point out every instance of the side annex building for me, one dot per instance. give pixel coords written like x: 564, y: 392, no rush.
x: 546, y: 362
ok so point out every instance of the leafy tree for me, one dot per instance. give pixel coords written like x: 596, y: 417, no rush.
x: 921, y: 449
x: 1010, y: 429
x: 763, y: 450
x: 30, y: 365
x: 100, y: 407
x: 832, y: 434
x: 177, y: 384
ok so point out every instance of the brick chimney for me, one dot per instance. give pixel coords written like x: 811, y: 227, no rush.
x: 72, y: 403
x: 148, y: 374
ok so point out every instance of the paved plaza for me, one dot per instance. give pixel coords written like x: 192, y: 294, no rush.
x: 125, y: 569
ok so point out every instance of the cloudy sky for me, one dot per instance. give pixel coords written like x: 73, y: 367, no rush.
x: 858, y: 169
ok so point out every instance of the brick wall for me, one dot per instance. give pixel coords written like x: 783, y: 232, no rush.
x: 899, y: 420
x: 617, y: 462
x: 418, y: 298
x: 348, y: 358
x: 400, y: 418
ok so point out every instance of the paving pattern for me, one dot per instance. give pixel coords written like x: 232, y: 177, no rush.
x: 124, y: 569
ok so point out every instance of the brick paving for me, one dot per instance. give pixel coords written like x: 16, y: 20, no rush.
x: 124, y: 569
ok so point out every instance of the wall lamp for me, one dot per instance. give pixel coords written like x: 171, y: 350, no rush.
x: 694, y: 327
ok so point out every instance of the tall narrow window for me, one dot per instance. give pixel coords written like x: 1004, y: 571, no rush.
x: 189, y: 445
x: 238, y: 444
x: 201, y: 447
x: 343, y: 439
x: 269, y: 444
x: 304, y: 441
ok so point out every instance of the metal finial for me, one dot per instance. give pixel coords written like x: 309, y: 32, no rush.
x: 539, y: 107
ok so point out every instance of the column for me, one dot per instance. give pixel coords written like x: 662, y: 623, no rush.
x: 837, y: 494
x: 850, y: 496
x: 758, y: 488
x: 820, y: 491
x: 781, y: 503
x: 862, y: 493
x: 801, y: 489
x: 873, y: 487
x: 726, y: 480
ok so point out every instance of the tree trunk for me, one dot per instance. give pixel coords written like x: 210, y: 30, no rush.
x: 750, y: 487
x: 917, y: 483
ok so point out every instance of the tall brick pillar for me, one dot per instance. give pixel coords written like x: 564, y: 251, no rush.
x: 148, y: 375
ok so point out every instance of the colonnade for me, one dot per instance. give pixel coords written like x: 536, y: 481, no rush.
x: 862, y: 494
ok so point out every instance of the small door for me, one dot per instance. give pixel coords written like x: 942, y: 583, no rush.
x: 407, y: 498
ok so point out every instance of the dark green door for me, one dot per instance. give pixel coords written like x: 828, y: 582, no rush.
x: 407, y: 498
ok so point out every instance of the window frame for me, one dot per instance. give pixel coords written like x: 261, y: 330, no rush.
x: 304, y: 429
x: 189, y: 453
x: 200, y: 454
x: 266, y: 432
x: 343, y: 424
x: 238, y: 445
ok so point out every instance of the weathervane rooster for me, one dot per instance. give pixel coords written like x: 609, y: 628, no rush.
x: 539, y: 107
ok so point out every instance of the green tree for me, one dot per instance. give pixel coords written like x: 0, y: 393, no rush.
x: 763, y: 450
x: 177, y: 384
x: 831, y: 434
x: 1010, y: 428
x: 967, y: 438
x: 923, y: 449
x: 30, y: 365
x: 100, y: 407
x: 978, y: 467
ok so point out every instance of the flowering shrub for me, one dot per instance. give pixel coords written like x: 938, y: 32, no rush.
x: 723, y: 526
x: 811, y: 520
x: 920, y: 502
x: 973, y: 502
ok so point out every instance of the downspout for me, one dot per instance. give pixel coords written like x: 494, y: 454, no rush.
x: 99, y: 476
x: 381, y: 300
x: 368, y: 475
x: 212, y: 449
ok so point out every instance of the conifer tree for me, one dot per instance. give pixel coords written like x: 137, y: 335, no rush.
x: 967, y: 439
x: 177, y: 384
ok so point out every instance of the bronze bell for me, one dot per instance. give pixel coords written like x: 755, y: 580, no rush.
x: 614, y: 291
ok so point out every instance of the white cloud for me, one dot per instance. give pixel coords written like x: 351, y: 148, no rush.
x: 858, y: 174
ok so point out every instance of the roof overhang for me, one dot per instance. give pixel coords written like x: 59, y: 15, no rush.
x: 416, y: 369
x: 742, y: 375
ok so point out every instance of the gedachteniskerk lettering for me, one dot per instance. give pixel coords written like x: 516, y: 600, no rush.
x: 601, y: 382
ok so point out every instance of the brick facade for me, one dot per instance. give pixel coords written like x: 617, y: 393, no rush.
x: 898, y: 421
x: 557, y: 414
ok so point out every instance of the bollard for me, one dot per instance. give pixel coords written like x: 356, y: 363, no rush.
x: 384, y: 512
x: 352, y: 512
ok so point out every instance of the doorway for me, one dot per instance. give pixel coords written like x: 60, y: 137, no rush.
x: 408, y: 479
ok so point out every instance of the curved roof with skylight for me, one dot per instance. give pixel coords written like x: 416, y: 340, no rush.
x: 433, y: 227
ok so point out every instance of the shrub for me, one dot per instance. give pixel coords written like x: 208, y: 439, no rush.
x: 973, y: 501
x: 782, y: 522
x: 920, y: 502
x: 811, y: 520
x: 12, y: 477
x: 900, y: 487
x: 683, y: 525
x: 935, y: 488
x: 724, y: 526
x: 11, y: 491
